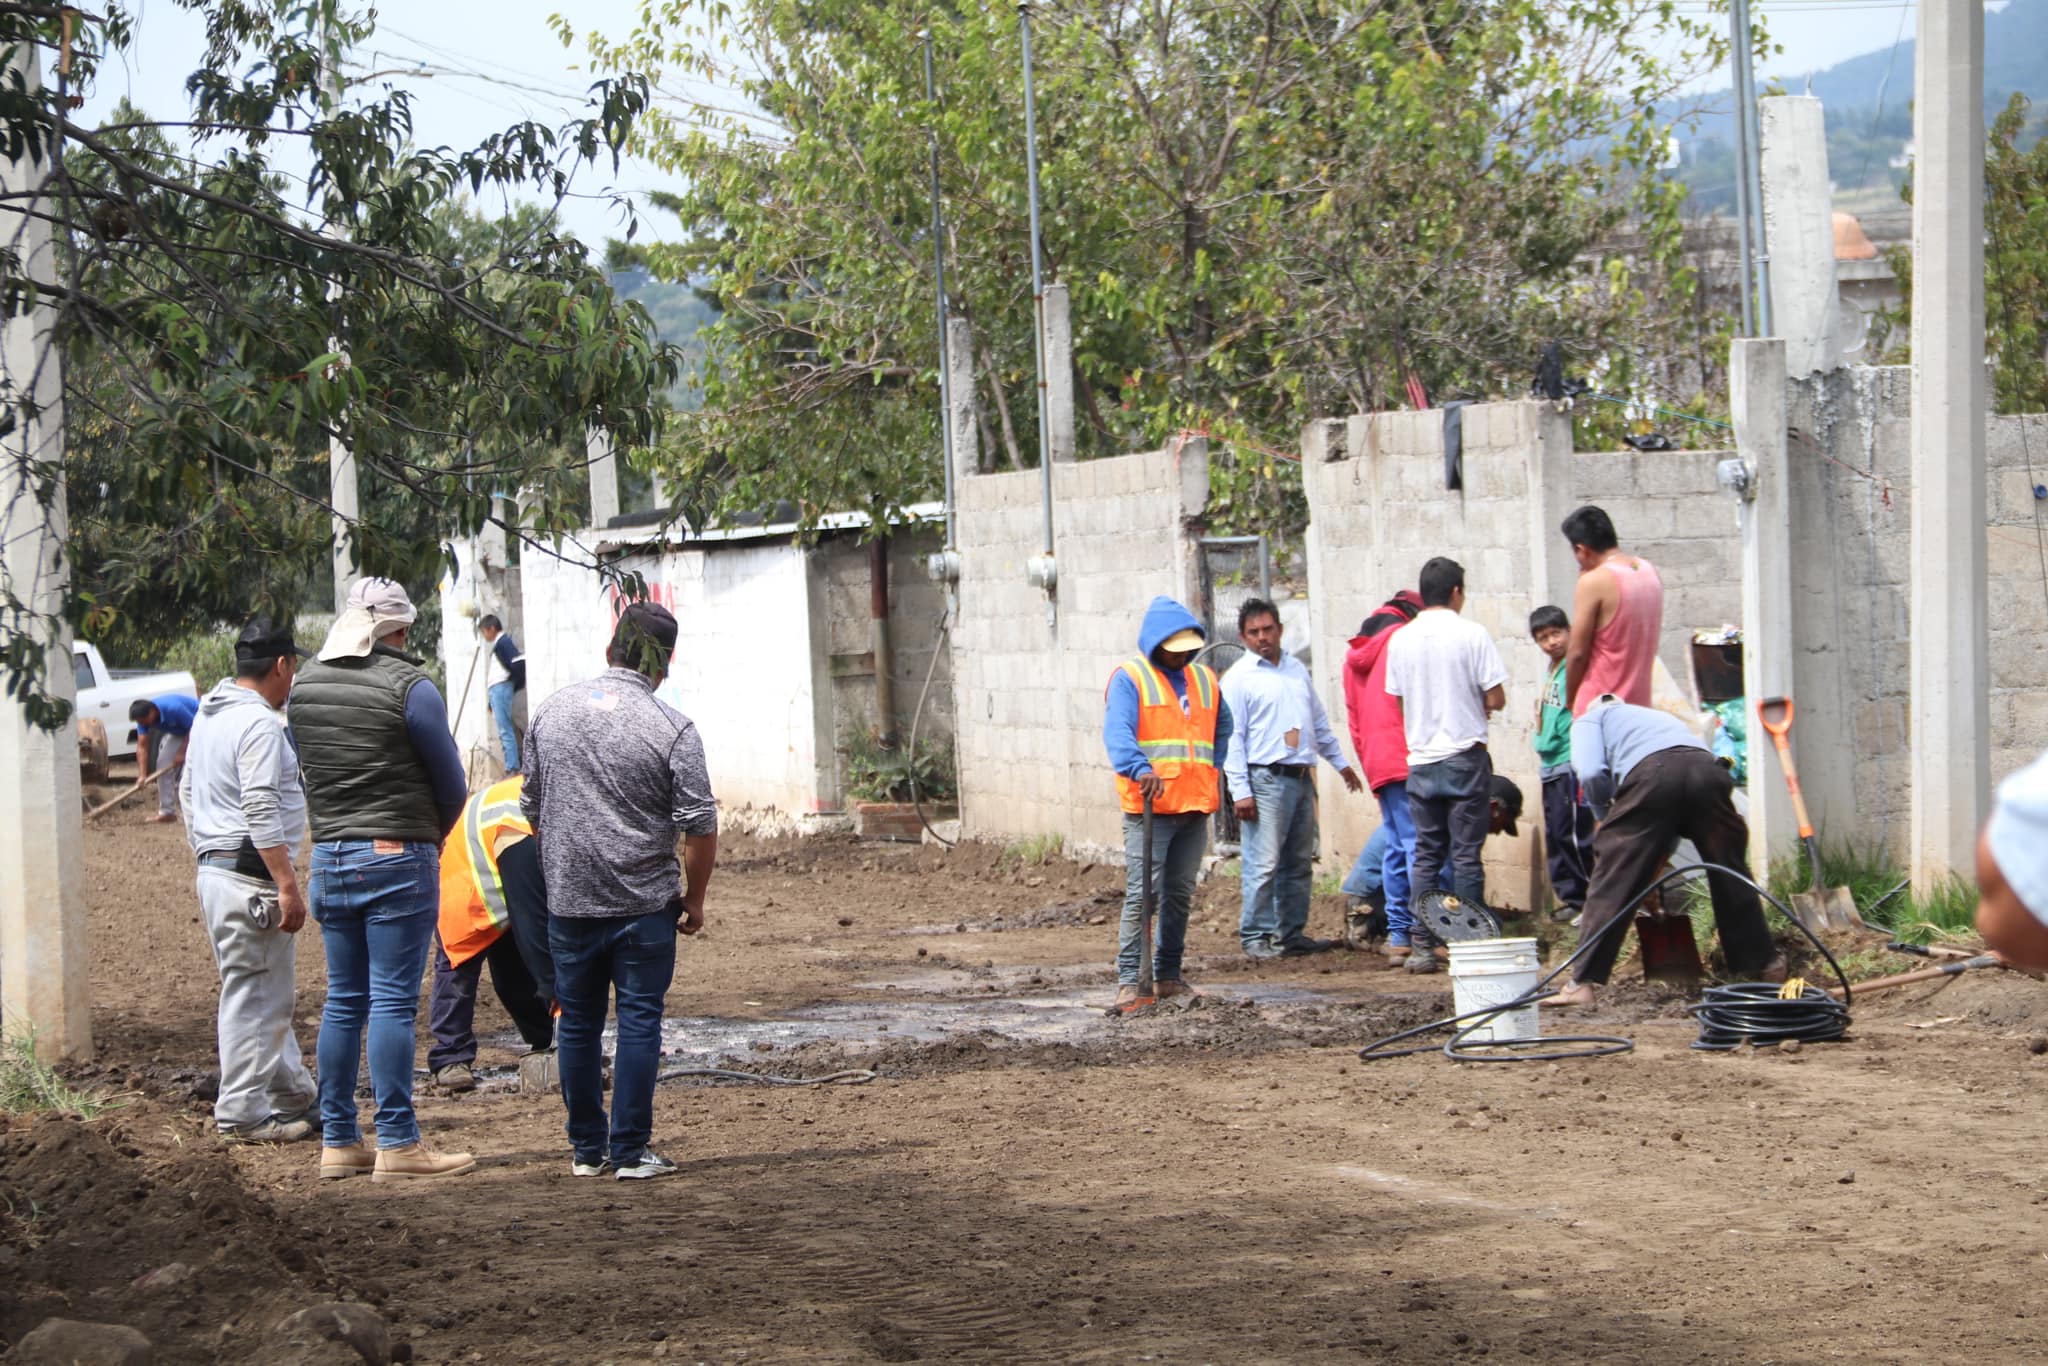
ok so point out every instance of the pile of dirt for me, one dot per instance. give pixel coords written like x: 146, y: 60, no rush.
x: 134, y: 1218
x: 2006, y: 1001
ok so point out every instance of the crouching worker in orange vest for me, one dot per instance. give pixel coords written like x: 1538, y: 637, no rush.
x: 493, y: 910
x: 1166, y: 729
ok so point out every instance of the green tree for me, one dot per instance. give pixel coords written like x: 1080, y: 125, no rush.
x: 194, y: 291
x: 1264, y: 209
x: 2015, y: 268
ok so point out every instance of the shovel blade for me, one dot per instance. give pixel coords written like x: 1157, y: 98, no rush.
x: 1670, y: 953
x: 1839, y: 909
x: 1827, y: 909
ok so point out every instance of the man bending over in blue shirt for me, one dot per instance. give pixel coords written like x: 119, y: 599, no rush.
x: 1651, y: 781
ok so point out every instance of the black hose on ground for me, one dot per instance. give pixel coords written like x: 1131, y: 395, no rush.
x: 851, y: 1077
x: 1768, y: 1018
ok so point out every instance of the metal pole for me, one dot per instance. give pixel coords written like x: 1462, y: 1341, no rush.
x: 1037, y: 273
x: 931, y: 95
x: 1753, y: 158
x: 1738, y: 59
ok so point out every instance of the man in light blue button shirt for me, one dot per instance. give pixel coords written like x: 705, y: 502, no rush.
x: 1279, y: 728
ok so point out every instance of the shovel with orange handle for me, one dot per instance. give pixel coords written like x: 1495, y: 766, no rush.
x: 1818, y: 907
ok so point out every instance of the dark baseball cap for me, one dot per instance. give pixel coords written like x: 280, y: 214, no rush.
x: 644, y: 628
x: 261, y: 639
x: 1509, y: 796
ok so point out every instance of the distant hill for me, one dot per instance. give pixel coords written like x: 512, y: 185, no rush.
x: 679, y: 313
x: 1869, y: 103
x: 2015, y: 59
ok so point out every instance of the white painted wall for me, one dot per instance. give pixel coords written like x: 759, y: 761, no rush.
x: 745, y: 668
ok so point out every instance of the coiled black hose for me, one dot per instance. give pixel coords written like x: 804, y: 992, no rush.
x: 1799, y: 1018
x: 1759, y: 1013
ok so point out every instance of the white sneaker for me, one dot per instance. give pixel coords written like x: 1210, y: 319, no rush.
x: 646, y: 1167
x: 597, y: 1168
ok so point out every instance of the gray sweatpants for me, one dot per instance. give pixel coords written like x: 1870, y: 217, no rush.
x: 168, y: 752
x: 262, y: 1071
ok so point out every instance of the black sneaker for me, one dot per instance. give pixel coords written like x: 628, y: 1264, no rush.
x: 646, y: 1167
x: 1304, y: 946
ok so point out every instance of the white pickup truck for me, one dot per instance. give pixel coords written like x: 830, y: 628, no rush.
x: 104, y: 694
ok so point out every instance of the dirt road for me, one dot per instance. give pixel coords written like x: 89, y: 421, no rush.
x: 1031, y: 1181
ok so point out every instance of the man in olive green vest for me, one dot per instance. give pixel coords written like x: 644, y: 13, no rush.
x: 384, y: 785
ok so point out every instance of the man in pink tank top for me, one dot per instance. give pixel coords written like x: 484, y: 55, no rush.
x: 1617, y: 615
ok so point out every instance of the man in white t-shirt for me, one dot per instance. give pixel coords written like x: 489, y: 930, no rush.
x: 1449, y: 678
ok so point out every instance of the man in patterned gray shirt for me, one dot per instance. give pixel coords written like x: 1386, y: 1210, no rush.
x: 613, y: 776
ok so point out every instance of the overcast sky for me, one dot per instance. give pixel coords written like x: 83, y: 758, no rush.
x: 496, y: 63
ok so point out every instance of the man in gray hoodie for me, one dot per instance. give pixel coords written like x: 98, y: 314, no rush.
x: 245, y: 816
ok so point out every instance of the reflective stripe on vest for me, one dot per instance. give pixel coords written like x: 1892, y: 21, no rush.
x: 1155, y: 691
x: 485, y: 816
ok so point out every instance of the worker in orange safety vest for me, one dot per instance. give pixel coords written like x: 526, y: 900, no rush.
x: 1166, y: 728
x: 493, y: 911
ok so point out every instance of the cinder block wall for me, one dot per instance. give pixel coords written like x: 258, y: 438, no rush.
x: 1851, y: 501
x: 1028, y: 694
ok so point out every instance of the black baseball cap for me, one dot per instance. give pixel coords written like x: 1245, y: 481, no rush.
x: 260, y: 639
x: 1509, y: 796
x: 645, y: 628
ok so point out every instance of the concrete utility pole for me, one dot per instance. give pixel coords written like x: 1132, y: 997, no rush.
x: 44, y: 987
x: 1756, y: 398
x: 604, y: 478
x: 1950, y: 670
x: 341, y: 461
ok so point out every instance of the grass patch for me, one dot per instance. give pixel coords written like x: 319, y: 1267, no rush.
x: 1874, y: 883
x: 1037, y: 851
x: 28, y: 1085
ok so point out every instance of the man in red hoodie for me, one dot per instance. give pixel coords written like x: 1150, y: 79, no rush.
x: 1381, y: 741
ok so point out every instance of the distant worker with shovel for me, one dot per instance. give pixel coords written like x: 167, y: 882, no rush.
x: 163, y: 727
x: 1650, y: 782
x: 1167, y: 729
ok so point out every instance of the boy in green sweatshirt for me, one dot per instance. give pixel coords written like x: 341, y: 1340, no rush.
x: 1567, y: 821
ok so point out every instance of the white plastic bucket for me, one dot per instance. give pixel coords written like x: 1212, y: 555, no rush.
x: 1492, y: 972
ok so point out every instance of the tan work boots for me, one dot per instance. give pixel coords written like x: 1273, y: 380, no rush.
x: 415, y: 1162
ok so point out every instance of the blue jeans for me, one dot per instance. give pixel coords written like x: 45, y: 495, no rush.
x: 501, y: 712
x: 1393, y: 800
x: 376, y: 913
x: 1452, y: 805
x: 634, y: 956
x: 1277, y: 848
x: 1178, y: 842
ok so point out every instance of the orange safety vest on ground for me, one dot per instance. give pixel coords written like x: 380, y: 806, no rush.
x: 473, y: 911
x: 1180, y: 745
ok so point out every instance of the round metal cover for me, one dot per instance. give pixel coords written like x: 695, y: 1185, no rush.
x: 1455, y: 921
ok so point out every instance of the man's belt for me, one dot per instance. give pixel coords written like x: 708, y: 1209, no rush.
x: 1289, y: 770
